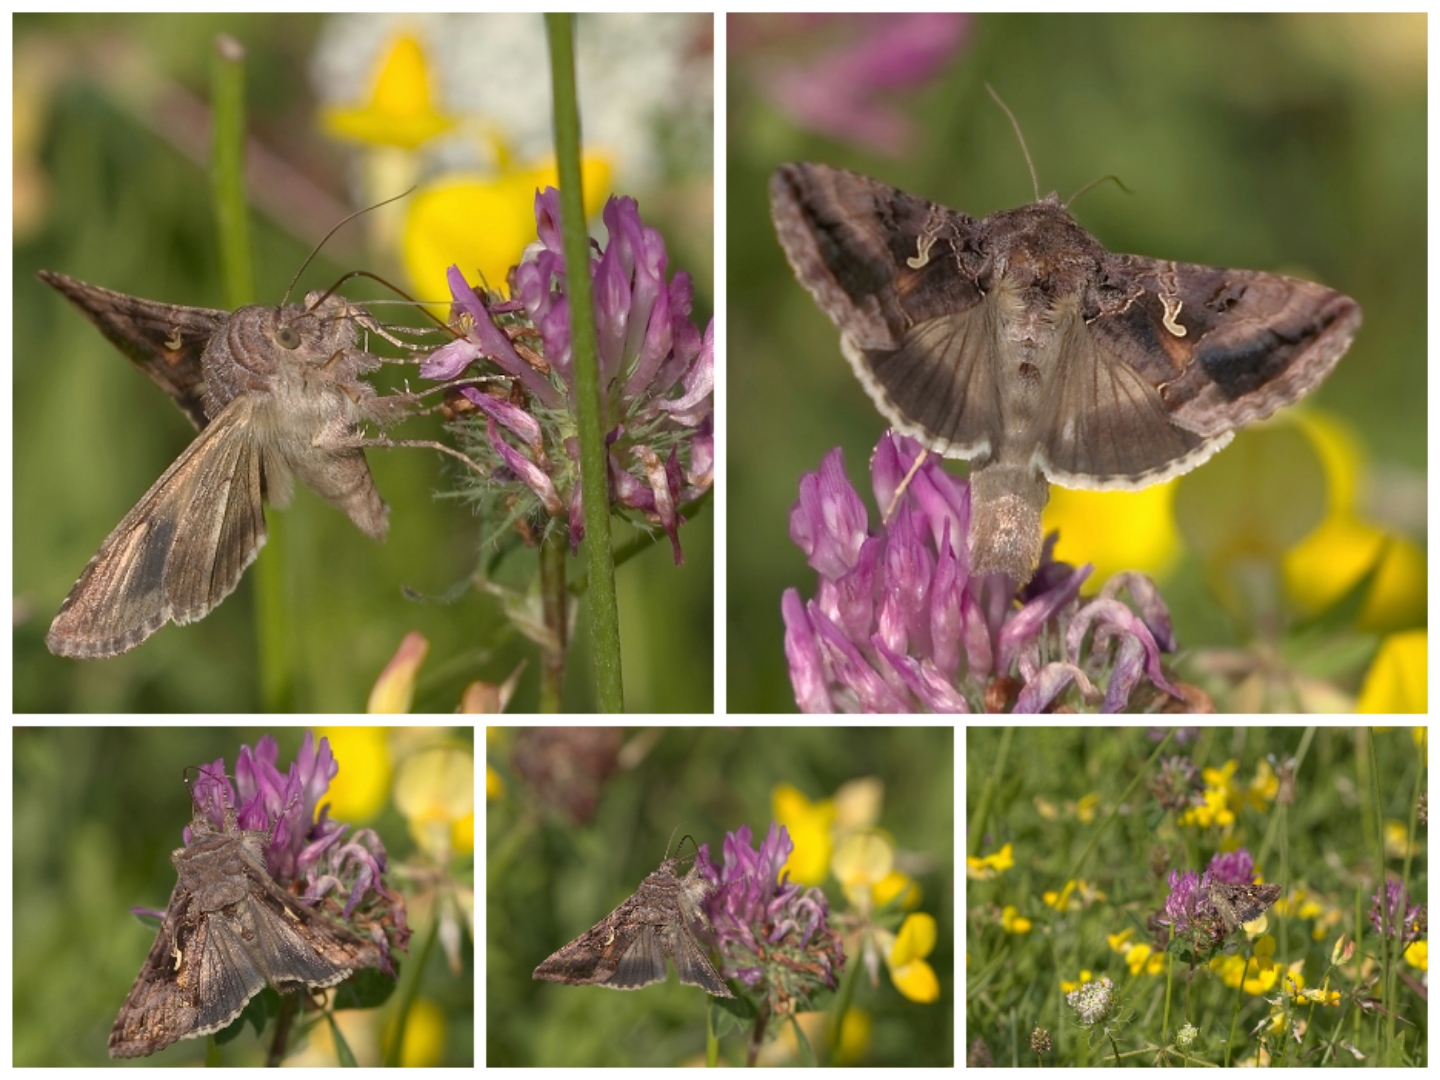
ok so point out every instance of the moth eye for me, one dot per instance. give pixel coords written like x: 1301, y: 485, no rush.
x: 287, y: 338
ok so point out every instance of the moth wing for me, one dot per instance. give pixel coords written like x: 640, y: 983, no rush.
x: 594, y: 956
x: 221, y: 970
x: 1106, y: 425
x: 641, y: 964
x: 938, y: 385
x: 914, y: 325
x: 1149, y: 392
x: 691, y: 963
x: 147, y: 573
x: 289, y: 942
x: 1248, y: 343
x: 165, y: 341
x: 158, y: 1008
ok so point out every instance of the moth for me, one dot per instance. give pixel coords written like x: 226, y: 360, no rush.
x: 275, y: 393
x: 1018, y: 343
x: 627, y: 949
x: 1240, y: 904
x: 229, y: 930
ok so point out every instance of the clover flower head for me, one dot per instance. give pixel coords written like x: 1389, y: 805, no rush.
x: 900, y: 624
x: 657, y: 374
x: 307, y: 852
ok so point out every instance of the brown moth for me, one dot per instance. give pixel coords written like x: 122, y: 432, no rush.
x: 229, y: 930
x: 627, y: 949
x: 1018, y: 343
x: 1240, y: 904
x: 275, y: 393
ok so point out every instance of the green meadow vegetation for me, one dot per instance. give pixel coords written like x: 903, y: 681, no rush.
x: 1196, y: 897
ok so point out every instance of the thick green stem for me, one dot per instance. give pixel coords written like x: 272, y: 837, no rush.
x: 237, y: 267
x: 594, y: 482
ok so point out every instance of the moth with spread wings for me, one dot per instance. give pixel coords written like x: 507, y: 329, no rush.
x: 626, y: 950
x: 1018, y: 343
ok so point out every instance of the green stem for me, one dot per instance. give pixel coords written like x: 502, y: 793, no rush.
x: 594, y: 484
x: 410, y: 991
x: 227, y: 172
x: 554, y: 601
x: 237, y: 268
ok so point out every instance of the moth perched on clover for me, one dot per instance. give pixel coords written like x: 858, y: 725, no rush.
x: 1018, y: 343
x: 626, y: 950
x: 275, y: 393
x: 252, y: 908
x: 1204, y: 911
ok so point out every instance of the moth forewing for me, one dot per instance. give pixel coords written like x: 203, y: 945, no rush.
x: 157, y: 566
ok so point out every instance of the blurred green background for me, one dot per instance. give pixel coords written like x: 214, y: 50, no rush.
x: 550, y: 878
x: 1286, y: 143
x: 97, y: 812
x: 111, y: 135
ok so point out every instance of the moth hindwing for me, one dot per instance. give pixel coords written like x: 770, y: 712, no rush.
x: 229, y: 930
x: 627, y: 949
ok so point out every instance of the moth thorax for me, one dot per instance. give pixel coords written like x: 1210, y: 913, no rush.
x: 240, y: 358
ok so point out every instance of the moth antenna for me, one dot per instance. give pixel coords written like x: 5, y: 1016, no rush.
x: 204, y: 770
x: 693, y: 844
x: 672, y: 840
x: 343, y: 222
x: 1096, y: 183
x: 395, y: 288
x: 1020, y: 135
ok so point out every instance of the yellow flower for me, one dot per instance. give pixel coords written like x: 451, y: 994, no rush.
x: 400, y: 111
x: 1397, y: 681
x: 1013, y: 922
x: 1115, y: 530
x: 482, y: 224
x: 361, y: 787
x: 809, y: 827
x: 1418, y: 955
x: 897, y: 883
x: 435, y: 792
x: 912, y: 976
x: 862, y: 860
x: 424, y: 1035
x: 988, y: 866
x: 1332, y: 559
